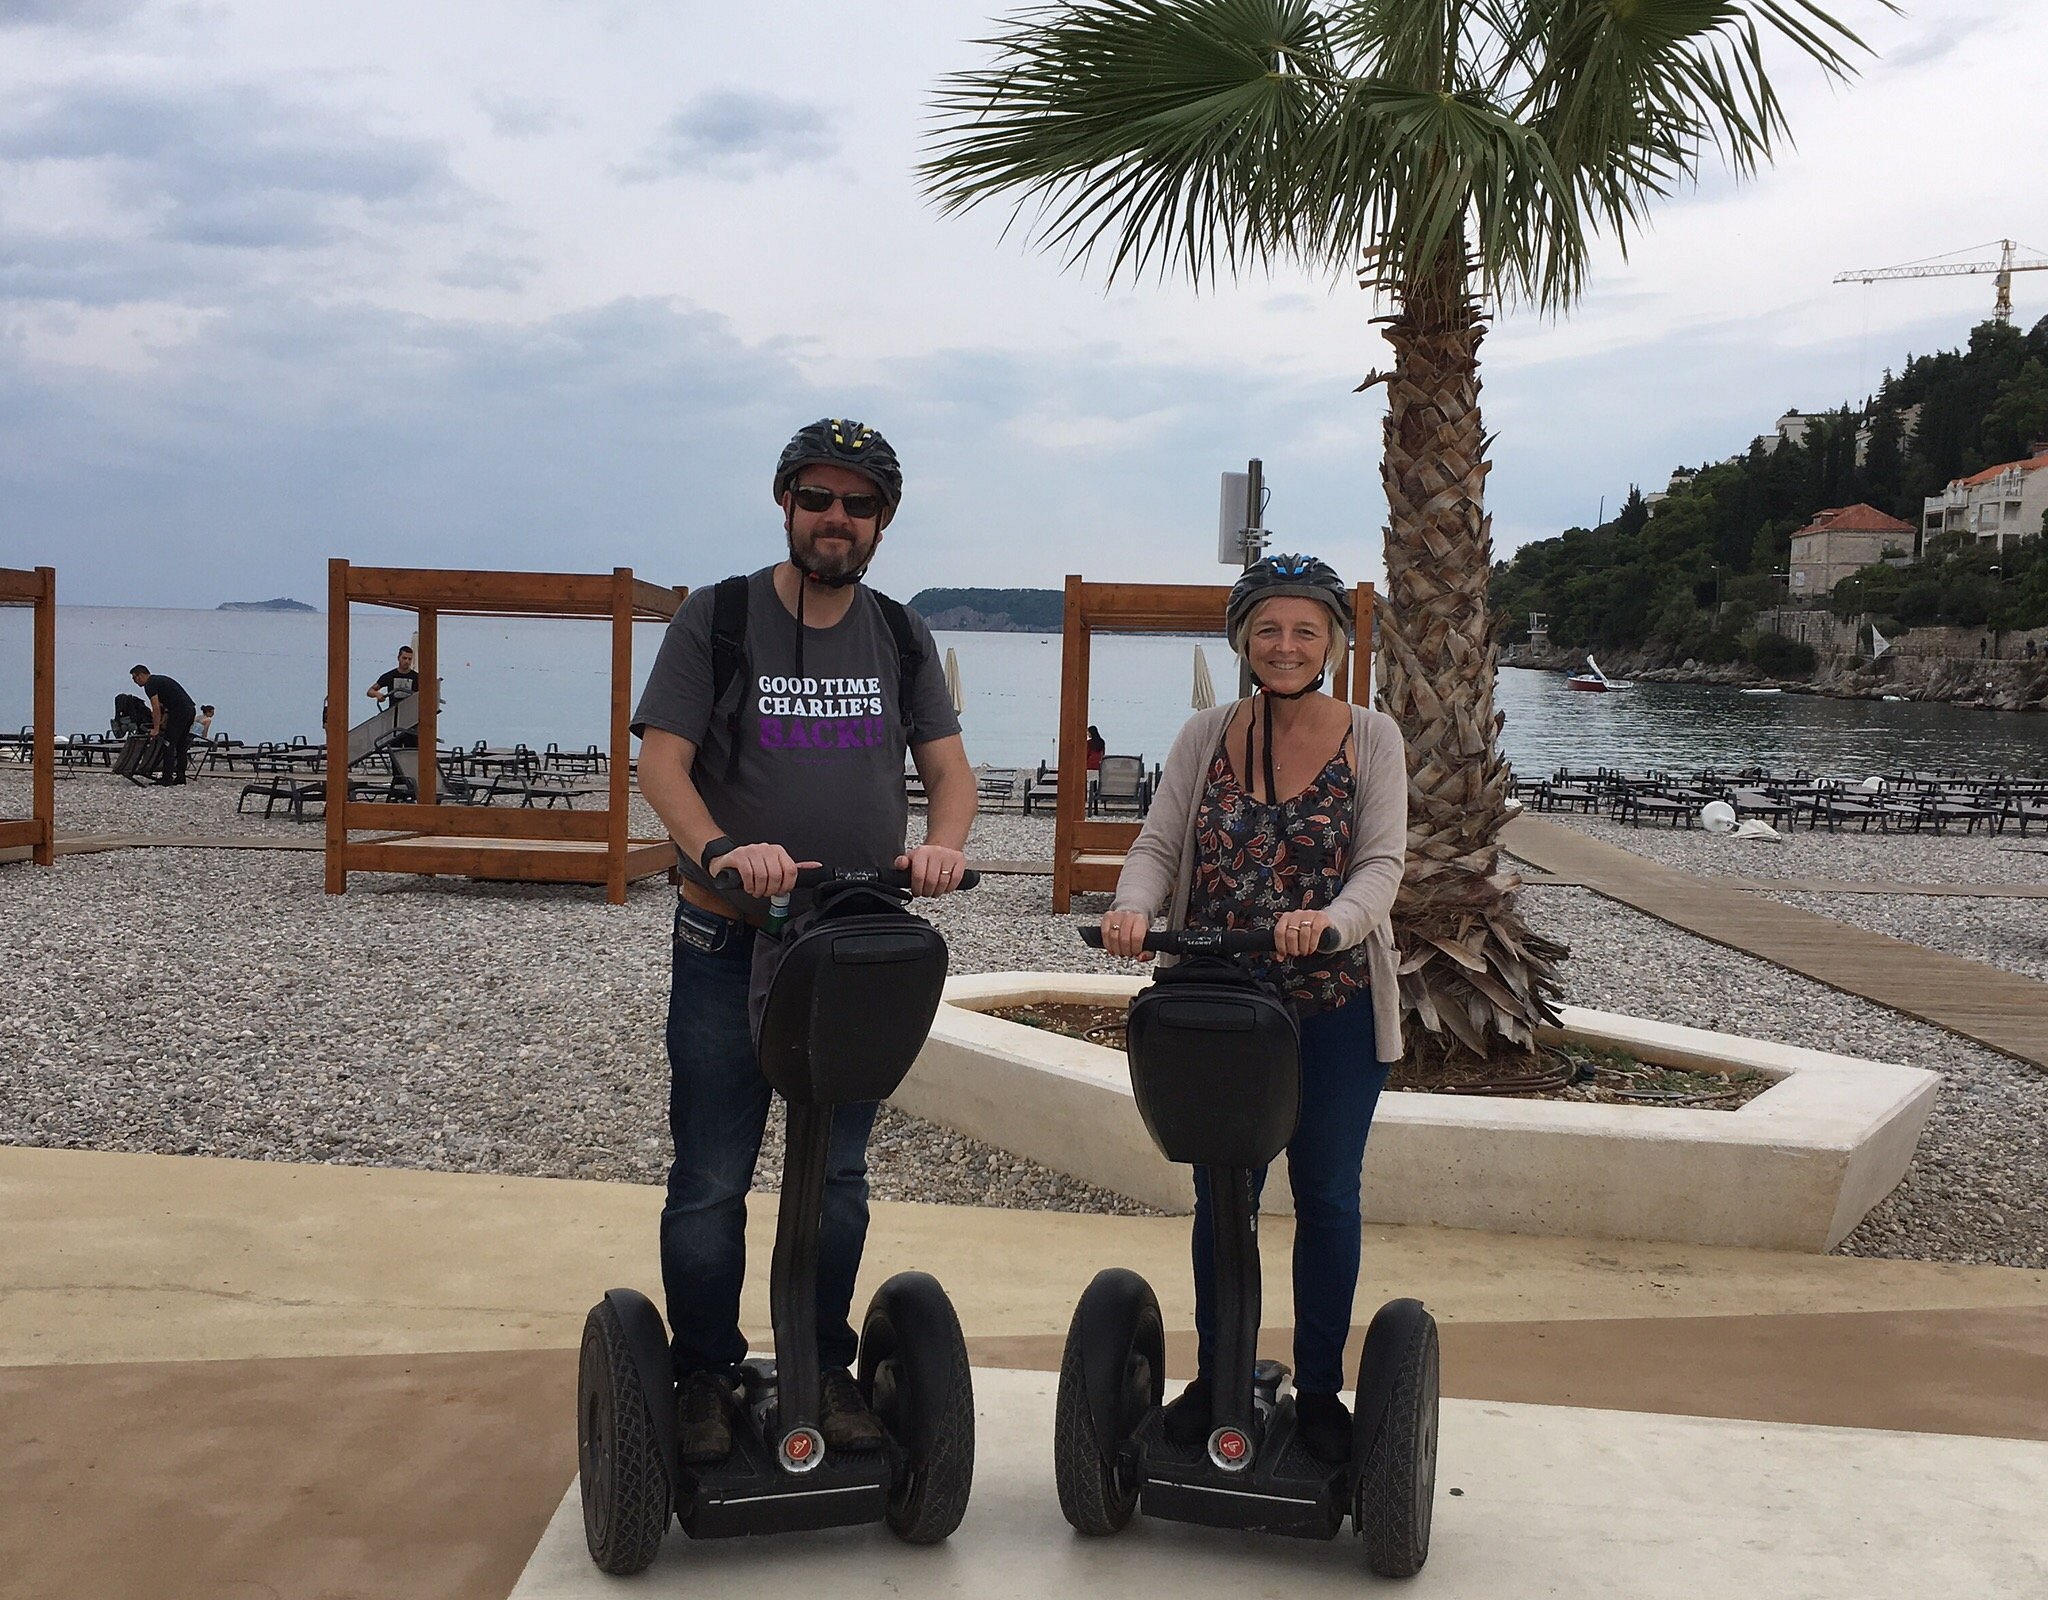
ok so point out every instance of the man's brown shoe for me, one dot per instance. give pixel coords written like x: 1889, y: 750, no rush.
x: 704, y: 1420
x: 844, y: 1416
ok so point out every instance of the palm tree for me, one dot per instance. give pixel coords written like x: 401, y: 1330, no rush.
x: 1456, y: 155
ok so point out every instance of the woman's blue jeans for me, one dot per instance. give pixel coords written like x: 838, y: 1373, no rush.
x: 717, y: 1110
x: 1341, y: 1080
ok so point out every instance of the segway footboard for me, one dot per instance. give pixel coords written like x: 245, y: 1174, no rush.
x: 1283, y: 1490
x: 748, y: 1493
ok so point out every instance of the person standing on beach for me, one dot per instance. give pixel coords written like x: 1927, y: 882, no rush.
x: 774, y: 727
x: 171, y: 712
x: 400, y: 683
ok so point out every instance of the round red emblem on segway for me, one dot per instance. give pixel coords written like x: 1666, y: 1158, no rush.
x: 1230, y: 1449
x: 802, y: 1450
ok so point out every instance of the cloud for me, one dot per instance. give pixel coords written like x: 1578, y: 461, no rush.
x: 79, y: 14
x: 735, y: 133
x: 516, y: 116
x: 161, y: 188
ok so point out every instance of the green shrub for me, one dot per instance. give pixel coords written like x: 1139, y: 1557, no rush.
x: 1781, y: 657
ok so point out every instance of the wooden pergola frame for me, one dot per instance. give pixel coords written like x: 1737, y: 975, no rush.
x: 37, y: 831
x: 523, y: 844
x: 1088, y: 855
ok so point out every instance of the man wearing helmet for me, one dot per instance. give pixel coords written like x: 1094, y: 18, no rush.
x: 774, y: 727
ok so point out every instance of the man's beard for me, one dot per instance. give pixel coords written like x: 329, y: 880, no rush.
x: 833, y: 561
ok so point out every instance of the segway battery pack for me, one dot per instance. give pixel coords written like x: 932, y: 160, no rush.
x: 1215, y: 1066
x: 851, y: 1000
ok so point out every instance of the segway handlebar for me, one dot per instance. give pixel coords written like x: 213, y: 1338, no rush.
x: 818, y: 877
x: 1209, y: 941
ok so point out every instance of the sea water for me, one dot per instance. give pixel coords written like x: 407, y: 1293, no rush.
x: 535, y: 681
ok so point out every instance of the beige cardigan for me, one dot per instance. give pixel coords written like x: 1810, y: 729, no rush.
x: 1161, y: 864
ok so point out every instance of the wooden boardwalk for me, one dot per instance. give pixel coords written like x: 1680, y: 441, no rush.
x: 1993, y: 1007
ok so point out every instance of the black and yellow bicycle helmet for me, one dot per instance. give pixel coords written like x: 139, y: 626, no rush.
x: 841, y: 442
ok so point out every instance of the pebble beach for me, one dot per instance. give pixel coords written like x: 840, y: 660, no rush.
x: 218, y: 1002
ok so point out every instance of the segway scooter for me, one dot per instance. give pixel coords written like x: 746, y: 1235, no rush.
x: 1216, y: 1069
x: 846, y: 1014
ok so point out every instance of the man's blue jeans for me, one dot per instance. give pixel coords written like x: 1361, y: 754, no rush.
x: 1341, y: 1080
x: 717, y: 1109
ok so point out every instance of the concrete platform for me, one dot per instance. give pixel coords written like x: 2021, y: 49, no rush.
x: 1548, y: 1501
x: 313, y: 1382
x: 1796, y: 1168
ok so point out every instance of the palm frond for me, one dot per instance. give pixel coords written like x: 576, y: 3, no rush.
x: 1159, y: 129
x: 1207, y: 136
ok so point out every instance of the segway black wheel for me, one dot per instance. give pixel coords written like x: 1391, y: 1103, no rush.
x: 913, y: 1366
x: 1117, y: 1332
x: 1395, y: 1490
x: 627, y: 1497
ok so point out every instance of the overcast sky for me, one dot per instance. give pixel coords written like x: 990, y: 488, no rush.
x: 546, y: 284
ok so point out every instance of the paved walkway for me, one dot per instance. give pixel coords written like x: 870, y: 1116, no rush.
x: 225, y: 1377
x: 1997, y: 1008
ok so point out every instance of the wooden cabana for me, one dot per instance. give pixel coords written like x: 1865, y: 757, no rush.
x: 1087, y: 854
x: 37, y: 832
x: 521, y: 844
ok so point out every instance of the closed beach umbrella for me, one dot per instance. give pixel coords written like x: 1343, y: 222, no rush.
x: 1205, y: 688
x: 953, y: 681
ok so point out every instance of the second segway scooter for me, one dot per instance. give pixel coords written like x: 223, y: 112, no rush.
x: 846, y: 1014
x: 1216, y: 1070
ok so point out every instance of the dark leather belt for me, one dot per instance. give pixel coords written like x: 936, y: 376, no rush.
x: 707, y: 899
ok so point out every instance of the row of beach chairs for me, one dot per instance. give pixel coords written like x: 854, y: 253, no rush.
x: 1900, y: 802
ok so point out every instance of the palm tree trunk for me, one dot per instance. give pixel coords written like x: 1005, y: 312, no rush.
x: 1472, y: 972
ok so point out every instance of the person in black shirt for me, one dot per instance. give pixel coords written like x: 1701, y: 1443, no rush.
x: 171, y: 712
x: 401, y: 683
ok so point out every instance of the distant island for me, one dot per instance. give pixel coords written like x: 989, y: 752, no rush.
x: 992, y: 610
x: 279, y: 604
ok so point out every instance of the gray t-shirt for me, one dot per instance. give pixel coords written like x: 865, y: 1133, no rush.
x: 821, y: 740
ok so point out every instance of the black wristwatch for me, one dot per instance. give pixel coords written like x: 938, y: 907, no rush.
x: 721, y: 846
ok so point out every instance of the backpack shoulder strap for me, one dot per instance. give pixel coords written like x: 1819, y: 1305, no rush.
x: 909, y: 654
x: 728, y: 657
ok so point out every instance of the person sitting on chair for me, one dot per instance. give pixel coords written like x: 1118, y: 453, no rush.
x: 1289, y: 810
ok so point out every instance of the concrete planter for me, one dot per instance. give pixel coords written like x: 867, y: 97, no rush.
x: 1794, y: 1169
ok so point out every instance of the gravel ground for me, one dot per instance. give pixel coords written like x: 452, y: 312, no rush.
x: 1846, y: 857
x: 198, y: 1002
x: 1978, y: 1186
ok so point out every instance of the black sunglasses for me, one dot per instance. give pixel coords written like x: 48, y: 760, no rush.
x: 816, y: 497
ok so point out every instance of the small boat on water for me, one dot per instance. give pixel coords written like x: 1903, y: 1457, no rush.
x: 1594, y: 681
x: 1761, y: 691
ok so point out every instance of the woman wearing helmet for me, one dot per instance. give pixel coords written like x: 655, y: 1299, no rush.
x: 1289, y: 809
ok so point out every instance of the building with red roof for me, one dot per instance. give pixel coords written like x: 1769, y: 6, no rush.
x: 2003, y: 502
x: 1841, y: 541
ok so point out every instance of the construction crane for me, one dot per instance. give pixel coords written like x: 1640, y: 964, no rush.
x: 2008, y: 262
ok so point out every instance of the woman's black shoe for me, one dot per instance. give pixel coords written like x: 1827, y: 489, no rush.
x: 1323, y: 1424
x: 1189, y: 1419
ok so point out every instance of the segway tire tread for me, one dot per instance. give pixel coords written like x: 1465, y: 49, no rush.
x: 1390, y: 1505
x: 1091, y: 1499
x: 625, y: 1533
x: 927, y: 1504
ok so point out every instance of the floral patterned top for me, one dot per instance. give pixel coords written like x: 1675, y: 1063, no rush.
x: 1254, y: 861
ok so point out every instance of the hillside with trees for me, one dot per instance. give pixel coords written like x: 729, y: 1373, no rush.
x: 1687, y: 581
x: 992, y: 610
